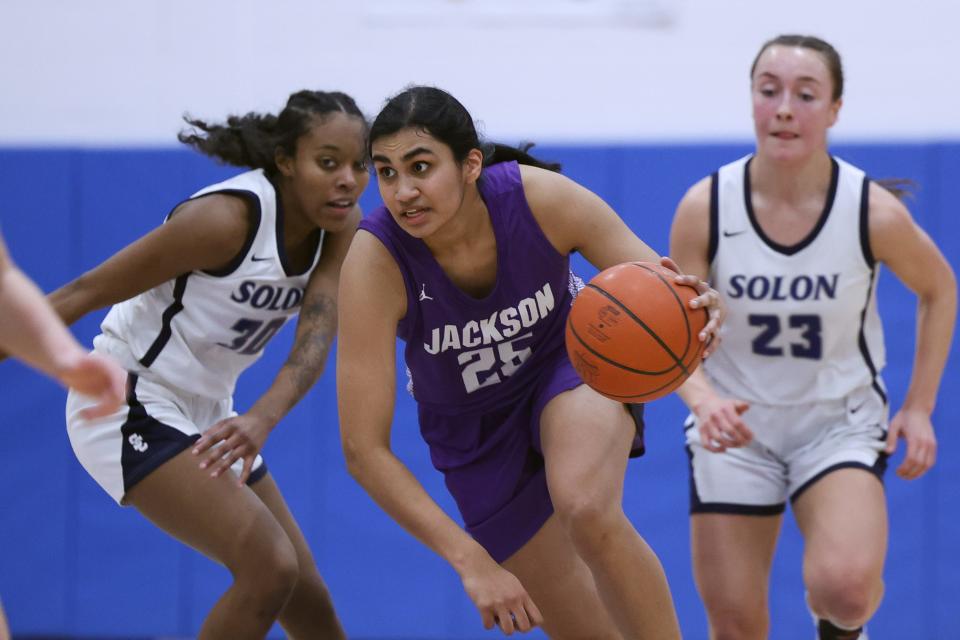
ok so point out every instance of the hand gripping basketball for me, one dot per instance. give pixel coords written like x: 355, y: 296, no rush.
x: 631, y: 334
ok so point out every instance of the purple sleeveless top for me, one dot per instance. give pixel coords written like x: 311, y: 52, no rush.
x: 470, y: 355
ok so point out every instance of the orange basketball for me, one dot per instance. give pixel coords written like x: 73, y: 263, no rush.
x: 632, y: 335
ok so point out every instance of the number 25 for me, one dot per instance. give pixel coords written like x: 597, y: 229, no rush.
x: 482, y: 361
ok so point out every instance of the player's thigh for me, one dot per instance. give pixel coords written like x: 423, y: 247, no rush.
x: 561, y: 585
x: 843, y: 518
x: 226, y: 522
x: 732, y: 555
x: 586, y: 441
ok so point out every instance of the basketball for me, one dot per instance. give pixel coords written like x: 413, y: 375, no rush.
x: 631, y: 333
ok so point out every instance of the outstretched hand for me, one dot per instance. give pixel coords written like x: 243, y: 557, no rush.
x: 98, y: 377
x: 707, y: 299
x: 916, y: 428
x: 232, y: 439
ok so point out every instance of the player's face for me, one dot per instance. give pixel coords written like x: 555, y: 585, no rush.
x: 329, y: 171
x: 420, y: 182
x: 793, y: 106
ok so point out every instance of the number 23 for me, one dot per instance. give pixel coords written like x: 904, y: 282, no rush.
x: 811, y: 347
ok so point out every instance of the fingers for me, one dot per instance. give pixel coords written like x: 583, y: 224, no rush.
x: 517, y: 619
x: 921, y: 455
x: 505, y: 619
x: 247, y: 468
x: 214, y: 435
x: 724, y: 429
x: 110, y: 397
x: 116, y: 392
x: 709, y: 300
x: 668, y: 262
x: 105, y: 407
x: 520, y: 616
x: 533, y: 612
x: 100, y: 378
x: 224, y: 444
x: 224, y: 463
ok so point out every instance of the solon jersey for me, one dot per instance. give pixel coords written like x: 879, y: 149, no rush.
x: 466, y: 354
x: 199, y: 331
x: 802, y: 322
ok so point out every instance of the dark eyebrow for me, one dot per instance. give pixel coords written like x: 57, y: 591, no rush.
x: 416, y: 152
x: 409, y: 154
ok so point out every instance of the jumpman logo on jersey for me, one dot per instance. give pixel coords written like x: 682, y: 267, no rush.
x: 423, y: 293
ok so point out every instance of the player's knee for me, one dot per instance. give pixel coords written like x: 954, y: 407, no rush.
x: 588, y: 521
x: 268, y: 573
x: 844, y: 594
x: 278, y: 579
x: 849, y: 608
x: 736, y: 616
x: 735, y: 630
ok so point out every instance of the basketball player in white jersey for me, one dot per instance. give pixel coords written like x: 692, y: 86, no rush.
x: 31, y: 331
x: 791, y: 405
x: 194, y: 303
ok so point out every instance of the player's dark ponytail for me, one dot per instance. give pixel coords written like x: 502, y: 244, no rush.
x: 252, y: 140
x: 902, y: 188
x: 496, y: 152
x: 446, y: 119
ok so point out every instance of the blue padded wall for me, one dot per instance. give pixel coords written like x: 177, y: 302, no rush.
x: 73, y: 563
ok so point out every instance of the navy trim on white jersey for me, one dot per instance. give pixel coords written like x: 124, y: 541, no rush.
x: 862, y: 339
x: 714, y: 240
x: 199, y: 331
x: 698, y: 506
x: 878, y: 469
x: 157, y: 442
x: 828, y: 206
x: 281, y: 245
x: 791, y: 307
x: 169, y: 313
x: 251, y: 198
x: 865, y: 223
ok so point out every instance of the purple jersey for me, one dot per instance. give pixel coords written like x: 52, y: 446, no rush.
x: 472, y: 355
x: 484, y: 369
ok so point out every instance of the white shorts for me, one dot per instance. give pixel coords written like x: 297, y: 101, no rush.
x: 793, y: 447
x: 156, y: 424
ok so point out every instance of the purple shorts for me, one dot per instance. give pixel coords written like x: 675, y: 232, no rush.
x: 493, y: 463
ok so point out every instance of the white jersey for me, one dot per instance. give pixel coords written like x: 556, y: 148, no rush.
x: 802, y: 323
x: 199, y: 331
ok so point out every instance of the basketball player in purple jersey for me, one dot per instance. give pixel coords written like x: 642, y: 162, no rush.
x: 31, y: 331
x: 791, y: 405
x: 468, y: 263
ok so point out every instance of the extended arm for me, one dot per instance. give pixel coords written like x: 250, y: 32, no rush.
x: 206, y: 233
x: 31, y: 331
x: 372, y: 301
x: 245, y: 435
x: 576, y: 219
